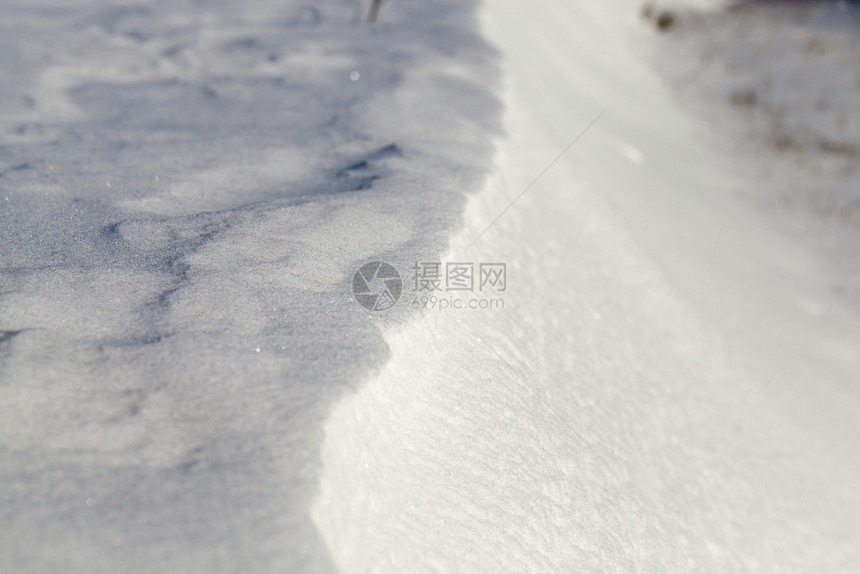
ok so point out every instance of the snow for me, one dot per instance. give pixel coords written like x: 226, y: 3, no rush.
x: 187, y: 383
x: 188, y: 191
x: 672, y: 385
x: 781, y: 79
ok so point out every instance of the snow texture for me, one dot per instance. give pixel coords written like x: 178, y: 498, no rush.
x: 672, y: 385
x: 187, y: 383
x: 185, y: 192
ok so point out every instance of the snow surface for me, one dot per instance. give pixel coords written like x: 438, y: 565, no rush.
x: 672, y: 385
x: 188, y: 385
x: 185, y: 192
x: 782, y: 79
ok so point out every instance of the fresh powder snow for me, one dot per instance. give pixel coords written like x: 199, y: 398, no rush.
x: 223, y: 348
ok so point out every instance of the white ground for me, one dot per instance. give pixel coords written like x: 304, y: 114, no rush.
x: 186, y: 190
x: 672, y: 386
